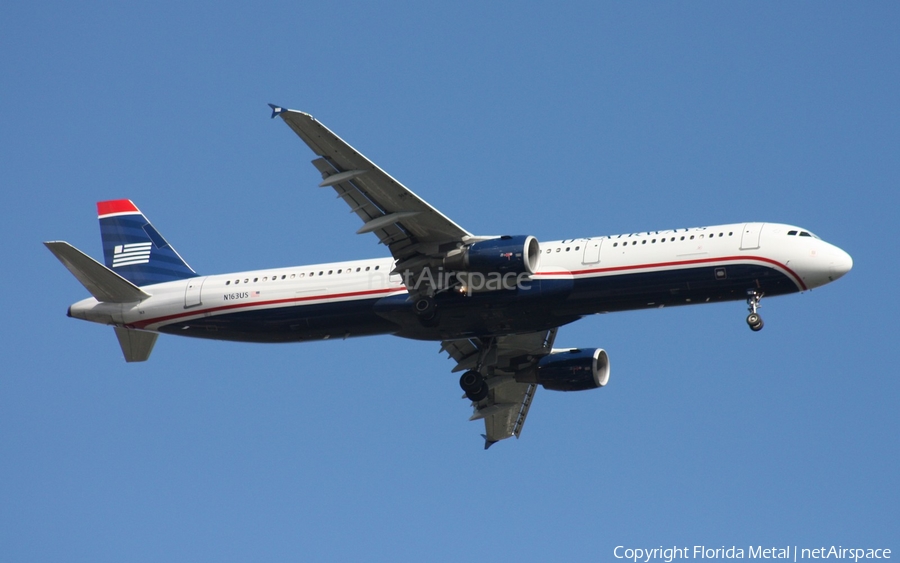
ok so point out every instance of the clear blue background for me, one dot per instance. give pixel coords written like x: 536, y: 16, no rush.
x: 564, y: 121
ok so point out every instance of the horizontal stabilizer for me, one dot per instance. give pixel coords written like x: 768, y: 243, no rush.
x: 136, y: 344
x: 104, y: 284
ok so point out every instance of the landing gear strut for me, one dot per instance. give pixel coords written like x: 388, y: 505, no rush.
x: 753, y: 319
x: 472, y: 382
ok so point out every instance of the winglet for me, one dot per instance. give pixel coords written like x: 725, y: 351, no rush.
x: 488, y: 443
x: 276, y: 110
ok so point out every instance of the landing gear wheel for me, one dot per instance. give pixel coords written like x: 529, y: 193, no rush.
x: 425, y: 308
x: 753, y: 319
x: 471, y: 380
x: 755, y: 322
x: 473, y: 384
x: 478, y: 395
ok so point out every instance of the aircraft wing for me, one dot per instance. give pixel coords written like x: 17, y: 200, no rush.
x: 415, y: 232
x: 499, y: 360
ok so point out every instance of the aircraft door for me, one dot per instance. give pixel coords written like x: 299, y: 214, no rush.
x: 592, y: 250
x: 192, y: 292
x: 750, y: 236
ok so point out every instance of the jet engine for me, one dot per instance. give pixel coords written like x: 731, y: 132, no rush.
x: 574, y: 370
x: 507, y: 254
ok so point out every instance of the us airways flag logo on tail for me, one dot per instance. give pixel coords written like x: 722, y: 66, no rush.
x: 134, y: 248
x: 130, y: 254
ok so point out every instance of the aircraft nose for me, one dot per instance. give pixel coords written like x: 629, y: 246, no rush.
x: 841, y: 263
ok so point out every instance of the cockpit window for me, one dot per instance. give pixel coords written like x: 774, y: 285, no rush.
x: 792, y: 233
x: 805, y: 234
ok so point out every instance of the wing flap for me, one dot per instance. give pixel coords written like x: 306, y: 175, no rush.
x: 390, y: 233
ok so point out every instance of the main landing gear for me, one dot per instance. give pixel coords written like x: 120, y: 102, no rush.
x: 426, y: 308
x: 472, y: 382
x: 426, y: 311
x: 753, y: 319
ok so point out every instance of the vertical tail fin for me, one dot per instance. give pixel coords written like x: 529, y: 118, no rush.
x: 134, y: 249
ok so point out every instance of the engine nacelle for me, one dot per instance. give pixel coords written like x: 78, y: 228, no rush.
x: 507, y: 254
x: 574, y: 370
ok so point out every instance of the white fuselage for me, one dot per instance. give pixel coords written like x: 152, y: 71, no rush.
x: 802, y: 258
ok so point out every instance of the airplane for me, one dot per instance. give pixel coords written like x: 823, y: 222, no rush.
x: 495, y: 303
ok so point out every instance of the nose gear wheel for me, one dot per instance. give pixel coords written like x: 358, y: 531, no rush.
x: 754, y: 321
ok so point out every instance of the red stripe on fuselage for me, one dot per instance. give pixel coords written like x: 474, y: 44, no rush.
x: 144, y: 324
x: 797, y: 279
x: 115, y: 206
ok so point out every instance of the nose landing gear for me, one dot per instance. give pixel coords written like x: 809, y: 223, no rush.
x: 753, y: 319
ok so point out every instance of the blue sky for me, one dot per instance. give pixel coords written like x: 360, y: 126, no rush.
x: 559, y: 122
